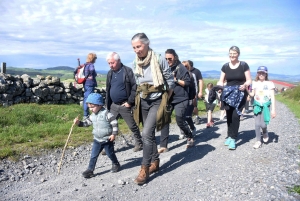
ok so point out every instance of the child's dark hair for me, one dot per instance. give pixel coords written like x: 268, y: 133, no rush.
x: 210, y: 85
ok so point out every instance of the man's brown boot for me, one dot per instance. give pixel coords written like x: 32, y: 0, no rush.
x: 154, y: 167
x: 143, y: 175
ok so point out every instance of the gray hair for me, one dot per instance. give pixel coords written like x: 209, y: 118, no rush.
x: 235, y: 48
x: 113, y: 55
x: 142, y: 37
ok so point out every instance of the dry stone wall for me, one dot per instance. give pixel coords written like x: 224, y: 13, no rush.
x: 41, y: 89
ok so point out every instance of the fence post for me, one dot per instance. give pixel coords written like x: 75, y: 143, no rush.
x: 3, y: 67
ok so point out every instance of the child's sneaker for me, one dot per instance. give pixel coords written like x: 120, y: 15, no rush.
x: 190, y: 143
x: 265, y: 137
x: 227, y: 142
x: 88, y: 173
x: 231, y: 145
x: 197, y: 120
x: 257, y: 145
x: 115, y: 167
x: 241, y: 117
x: 208, y: 125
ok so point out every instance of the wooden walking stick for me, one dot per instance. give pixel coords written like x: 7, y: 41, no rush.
x: 63, y: 153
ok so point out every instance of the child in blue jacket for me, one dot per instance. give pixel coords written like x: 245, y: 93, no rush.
x: 105, y: 128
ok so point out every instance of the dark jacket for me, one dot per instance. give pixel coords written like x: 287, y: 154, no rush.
x: 129, y: 82
x: 180, y: 93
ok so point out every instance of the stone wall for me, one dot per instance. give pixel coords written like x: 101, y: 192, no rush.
x: 44, y: 90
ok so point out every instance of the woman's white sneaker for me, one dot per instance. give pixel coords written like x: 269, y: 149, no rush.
x: 257, y: 145
x: 265, y: 137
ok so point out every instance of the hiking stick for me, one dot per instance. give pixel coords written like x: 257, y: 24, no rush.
x: 63, y: 153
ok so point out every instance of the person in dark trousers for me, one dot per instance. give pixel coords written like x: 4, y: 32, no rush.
x: 237, y: 74
x: 199, y: 82
x: 105, y: 128
x: 155, y: 85
x: 179, y: 100
x: 120, y: 95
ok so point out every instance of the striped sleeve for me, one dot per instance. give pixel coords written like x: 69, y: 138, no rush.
x: 113, y: 122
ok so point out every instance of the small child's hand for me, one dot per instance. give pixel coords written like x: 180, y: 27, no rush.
x: 76, y: 121
x: 111, y: 138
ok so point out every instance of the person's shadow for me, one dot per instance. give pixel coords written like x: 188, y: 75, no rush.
x: 246, y: 136
x: 179, y: 159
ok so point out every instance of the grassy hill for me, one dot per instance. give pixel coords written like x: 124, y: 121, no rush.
x: 63, y: 72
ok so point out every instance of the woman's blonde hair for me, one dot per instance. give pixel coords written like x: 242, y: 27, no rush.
x: 91, y: 58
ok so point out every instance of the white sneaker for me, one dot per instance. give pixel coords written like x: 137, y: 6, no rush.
x: 181, y: 136
x: 257, y: 145
x: 265, y: 137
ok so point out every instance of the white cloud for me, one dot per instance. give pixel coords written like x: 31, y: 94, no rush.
x: 197, y: 30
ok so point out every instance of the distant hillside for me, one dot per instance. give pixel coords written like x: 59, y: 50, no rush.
x: 61, y: 68
x: 66, y: 72
x: 213, y: 74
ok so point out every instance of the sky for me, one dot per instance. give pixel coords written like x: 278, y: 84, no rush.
x: 47, y: 33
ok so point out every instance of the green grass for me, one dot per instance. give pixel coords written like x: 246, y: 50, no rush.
x: 291, y: 98
x: 295, y: 189
x: 31, y: 127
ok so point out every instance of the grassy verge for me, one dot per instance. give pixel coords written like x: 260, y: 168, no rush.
x: 291, y: 98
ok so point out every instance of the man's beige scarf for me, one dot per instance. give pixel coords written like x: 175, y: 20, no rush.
x: 155, y: 68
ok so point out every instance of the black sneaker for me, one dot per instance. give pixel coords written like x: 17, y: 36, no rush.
x: 197, y: 120
x: 138, y: 147
x: 115, y: 167
x: 88, y: 173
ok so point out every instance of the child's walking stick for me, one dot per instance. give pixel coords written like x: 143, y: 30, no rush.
x: 63, y: 153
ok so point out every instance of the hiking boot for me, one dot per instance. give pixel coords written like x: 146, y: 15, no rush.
x: 231, y: 145
x: 197, y: 120
x: 190, y: 142
x: 265, y: 137
x: 227, y: 142
x: 138, y: 147
x: 181, y: 136
x: 257, y: 145
x: 88, y: 173
x: 143, y: 175
x: 154, y: 167
x: 115, y: 167
x: 103, y: 152
x: 194, y: 131
x: 162, y: 150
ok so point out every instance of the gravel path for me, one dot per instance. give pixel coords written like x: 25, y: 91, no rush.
x: 208, y: 171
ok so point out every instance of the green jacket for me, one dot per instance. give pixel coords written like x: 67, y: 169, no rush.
x: 163, y: 116
x: 258, y: 108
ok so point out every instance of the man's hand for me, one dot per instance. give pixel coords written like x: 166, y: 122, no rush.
x: 126, y: 104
